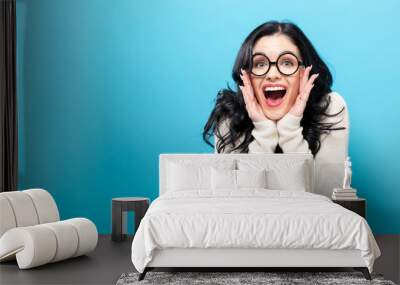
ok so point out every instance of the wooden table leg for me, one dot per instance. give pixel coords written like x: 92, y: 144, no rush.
x: 124, y: 225
x: 116, y: 222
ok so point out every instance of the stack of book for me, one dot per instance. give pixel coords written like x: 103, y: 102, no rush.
x: 344, y: 194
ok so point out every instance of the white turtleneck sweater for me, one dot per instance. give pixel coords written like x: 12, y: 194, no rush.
x: 287, y: 132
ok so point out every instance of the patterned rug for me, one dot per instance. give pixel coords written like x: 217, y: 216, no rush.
x: 269, y: 278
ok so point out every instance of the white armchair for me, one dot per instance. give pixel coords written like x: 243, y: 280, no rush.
x: 32, y: 233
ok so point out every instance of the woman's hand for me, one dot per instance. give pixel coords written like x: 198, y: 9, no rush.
x: 252, y: 106
x: 306, y: 84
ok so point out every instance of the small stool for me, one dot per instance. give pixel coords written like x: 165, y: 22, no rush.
x: 119, y: 208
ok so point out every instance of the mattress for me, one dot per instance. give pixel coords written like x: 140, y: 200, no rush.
x: 251, y: 219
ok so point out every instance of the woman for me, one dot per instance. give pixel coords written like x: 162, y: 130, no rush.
x: 283, y: 103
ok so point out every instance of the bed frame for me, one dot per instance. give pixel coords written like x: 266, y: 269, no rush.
x: 248, y: 259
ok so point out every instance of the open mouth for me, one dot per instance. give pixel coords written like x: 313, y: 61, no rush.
x: 274, y: 96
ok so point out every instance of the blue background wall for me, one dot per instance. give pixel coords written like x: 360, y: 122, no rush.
x: 105, y: 86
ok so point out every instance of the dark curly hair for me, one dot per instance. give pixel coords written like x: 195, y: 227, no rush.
x: 230, y: 104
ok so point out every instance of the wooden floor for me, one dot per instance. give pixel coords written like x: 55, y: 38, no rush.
x: 111, y: 259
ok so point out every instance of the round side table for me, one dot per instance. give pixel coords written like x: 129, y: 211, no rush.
x: 120, y: 207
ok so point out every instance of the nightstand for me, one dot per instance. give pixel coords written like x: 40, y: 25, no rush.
x: 357, y: 206
x: 119, y: 208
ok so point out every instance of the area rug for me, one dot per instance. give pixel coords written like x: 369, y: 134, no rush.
x: 269, y: 278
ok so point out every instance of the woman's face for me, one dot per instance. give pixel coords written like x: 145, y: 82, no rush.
x: 276, y: 104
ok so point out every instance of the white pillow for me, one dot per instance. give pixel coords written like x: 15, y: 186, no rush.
x: 251, y: 178
x: 293, y: 178
x: 187, y: 177
x: 282, y: 174
x: 223, y: 179
x: 237, y: 179
x: 192, y: 174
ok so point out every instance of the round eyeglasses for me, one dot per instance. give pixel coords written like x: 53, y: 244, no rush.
x: 287, y: 64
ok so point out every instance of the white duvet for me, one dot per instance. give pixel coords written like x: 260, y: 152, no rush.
x: 251, y: 218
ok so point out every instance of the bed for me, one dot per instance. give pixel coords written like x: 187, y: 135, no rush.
x: 247, y: 210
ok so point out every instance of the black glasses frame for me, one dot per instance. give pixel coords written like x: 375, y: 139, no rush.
x: 271, y: 63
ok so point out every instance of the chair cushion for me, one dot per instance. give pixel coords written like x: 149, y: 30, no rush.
x: 40, y: 244
x: 7, y: 220
x: 26, y: 208
x: 24, y: 211
x: 46, y: 207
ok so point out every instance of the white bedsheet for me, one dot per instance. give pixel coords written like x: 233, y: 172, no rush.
x: 251, y: 218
